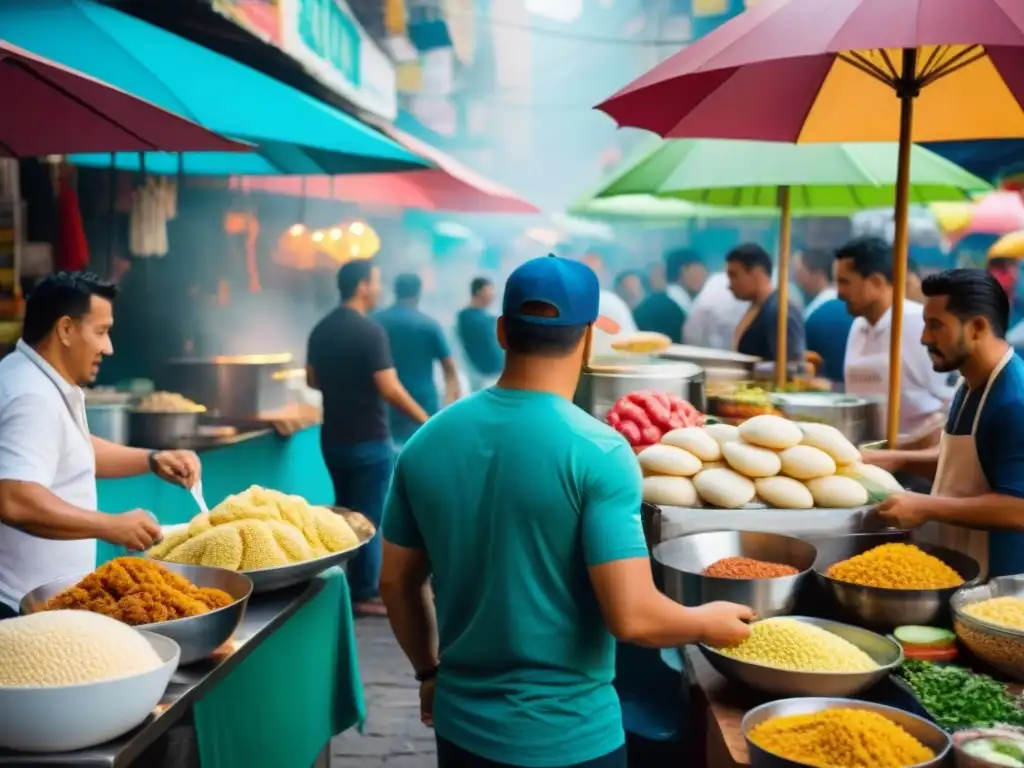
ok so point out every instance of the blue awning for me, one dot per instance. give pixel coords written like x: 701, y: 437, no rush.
x: 213, y: 90
x: 991, y: 159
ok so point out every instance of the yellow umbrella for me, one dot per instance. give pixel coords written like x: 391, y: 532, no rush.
x: 951, y: 217
x: 1009, y: 246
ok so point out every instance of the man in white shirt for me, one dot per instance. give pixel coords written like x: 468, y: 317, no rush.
x: 864, y: 281
x: 716, y: 313
x: 612, y: 307
x: 48, y: 460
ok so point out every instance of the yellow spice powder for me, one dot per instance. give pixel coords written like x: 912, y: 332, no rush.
x: 841, y: 738
x: 791, y: 644
x: 1004, y: 611
x: 896, y: 566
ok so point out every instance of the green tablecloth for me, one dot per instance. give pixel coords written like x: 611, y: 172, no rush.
x: 301, y: 686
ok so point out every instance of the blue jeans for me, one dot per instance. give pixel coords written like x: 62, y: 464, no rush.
x: 451, y: 756
x: 361, y: 474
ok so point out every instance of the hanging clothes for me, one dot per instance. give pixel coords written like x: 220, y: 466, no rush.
x: 72, y: 247
x: 148, y: 222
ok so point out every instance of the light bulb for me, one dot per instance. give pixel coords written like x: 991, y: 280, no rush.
x: 296, y: 229
x: 318, y: 236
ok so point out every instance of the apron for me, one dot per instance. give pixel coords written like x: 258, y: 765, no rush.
x: 867, y: 376
x: 959, y: 475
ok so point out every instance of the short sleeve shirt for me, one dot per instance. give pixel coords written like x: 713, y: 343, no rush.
x: 999, y: 441
x: 345, y: 350
x: 43, y: 440
x: 761, y: 340
x: 417, y: 345
x: 513, y: 495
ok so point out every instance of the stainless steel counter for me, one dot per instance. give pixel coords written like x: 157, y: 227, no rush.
x: 263, y: 616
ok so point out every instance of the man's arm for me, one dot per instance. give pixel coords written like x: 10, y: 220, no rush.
x: 620, y: 569
x: 990, y: 510
x: 443, y: 353
x: 403, y: 580
x: 115, y: 461
x: 385, y: 377
x: 32, y: 508
x: 921, y: 463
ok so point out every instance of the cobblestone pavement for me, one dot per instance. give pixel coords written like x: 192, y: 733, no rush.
x: 394, y: 736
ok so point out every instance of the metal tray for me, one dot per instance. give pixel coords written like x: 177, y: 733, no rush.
x: 198, y: 636
x: 281, y: 576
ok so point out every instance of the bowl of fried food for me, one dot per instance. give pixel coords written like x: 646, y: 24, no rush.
x: 198, y: 607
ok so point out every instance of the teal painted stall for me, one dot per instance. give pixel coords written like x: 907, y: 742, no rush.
x: 283, y: 703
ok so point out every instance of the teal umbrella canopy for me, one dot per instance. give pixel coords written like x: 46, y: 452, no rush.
x: 195, y: 82
x: 823, y: 179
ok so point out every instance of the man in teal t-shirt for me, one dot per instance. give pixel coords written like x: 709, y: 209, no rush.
x: 525, y: 511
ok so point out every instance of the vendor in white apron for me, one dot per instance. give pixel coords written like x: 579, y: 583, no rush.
x: 864, y: 280
x: 977, y: 500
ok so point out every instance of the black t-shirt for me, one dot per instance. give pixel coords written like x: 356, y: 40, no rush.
x: 345, y: 350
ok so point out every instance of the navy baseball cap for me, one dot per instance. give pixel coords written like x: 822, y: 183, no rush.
x: 571, y: 287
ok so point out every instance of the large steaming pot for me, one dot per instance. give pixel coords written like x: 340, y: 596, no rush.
x: 605, y: 380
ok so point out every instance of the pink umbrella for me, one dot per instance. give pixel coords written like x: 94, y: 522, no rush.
x: 449, y: 187
x: 998, y: 213
x: 51, y: 109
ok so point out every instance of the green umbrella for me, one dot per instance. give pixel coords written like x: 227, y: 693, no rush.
x: 805, y: 178
x: 832, y: 178
x: 658, y: 210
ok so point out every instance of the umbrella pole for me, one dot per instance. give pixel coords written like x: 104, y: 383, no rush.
x: 782, y: 354
x: 900, y: 246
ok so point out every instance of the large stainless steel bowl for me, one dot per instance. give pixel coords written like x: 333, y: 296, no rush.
x: 997, y: 645
x: 684, y: 559
x: 197, y: 636
x: 68, y: 717
x: 929, y: 734
x: 783, y: 682
x: 882, y: 608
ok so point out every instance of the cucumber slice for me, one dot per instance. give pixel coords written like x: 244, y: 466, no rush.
x: 927, y: 637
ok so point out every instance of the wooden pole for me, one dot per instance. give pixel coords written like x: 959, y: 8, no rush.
x: 900, y: 244
x: 785, y: 230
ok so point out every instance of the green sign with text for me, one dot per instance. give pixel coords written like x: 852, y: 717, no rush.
x: 327, y: 29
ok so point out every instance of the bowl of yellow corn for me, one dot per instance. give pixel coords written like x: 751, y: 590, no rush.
x: 805, y: 656
x: 989, y: 620
x: 883, y: 583
x: 794, y: 733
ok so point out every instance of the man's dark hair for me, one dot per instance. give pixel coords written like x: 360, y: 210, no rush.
x: 971, y: 293
x: 622, y: 277
x: 818, y: 260
x: 751, y: 255
x: 351, y: 274
x: 63, y: 294
x: 526, y: 338
x: 408, y: 286
x: 677, y: 260
x: 478, y: 284
x: 870, y: 256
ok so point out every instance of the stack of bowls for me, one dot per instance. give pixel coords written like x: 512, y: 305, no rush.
x: 1000, y: 646
x: 929, y: 734
x: 684, y: 559
x: 885, y: 652
x: 882, y: 608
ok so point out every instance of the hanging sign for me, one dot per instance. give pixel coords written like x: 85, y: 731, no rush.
x: 325, y: 37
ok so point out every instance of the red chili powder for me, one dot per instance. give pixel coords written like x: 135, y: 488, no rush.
x: 746, y: 568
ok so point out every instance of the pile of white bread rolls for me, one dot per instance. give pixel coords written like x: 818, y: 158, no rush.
x: 769, y: 459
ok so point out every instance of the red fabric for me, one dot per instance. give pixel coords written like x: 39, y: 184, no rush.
x: 757, y: 75
x: 62, y: 111
x: 72, y: 247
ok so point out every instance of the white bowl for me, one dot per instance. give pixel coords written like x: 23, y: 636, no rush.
x: 68, y: 717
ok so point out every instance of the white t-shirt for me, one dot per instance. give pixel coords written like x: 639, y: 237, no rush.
x: 716, y: 313
x: 614, y: 308
x: 923, y: 391
x: 41, y: 442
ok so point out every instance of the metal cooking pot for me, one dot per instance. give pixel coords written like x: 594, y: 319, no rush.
x: 855, y: 417
x: 108, y: 421
x: 605, y: 380
x: 151, y: 429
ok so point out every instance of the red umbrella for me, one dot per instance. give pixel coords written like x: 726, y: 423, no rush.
x: 51, y: 109
x: 845, y: 70
x: 450, y: 187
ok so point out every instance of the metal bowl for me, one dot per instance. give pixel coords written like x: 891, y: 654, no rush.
x: 929, y: 734
x: 784, y: 682
x: 684, y: 559
x: 282, y: 576
x: 999, y: 646
x: 883, y: 608
x: 197, y: 636
x: 68, y: 717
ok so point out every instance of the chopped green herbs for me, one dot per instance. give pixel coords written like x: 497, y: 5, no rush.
x: 958, y: 698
